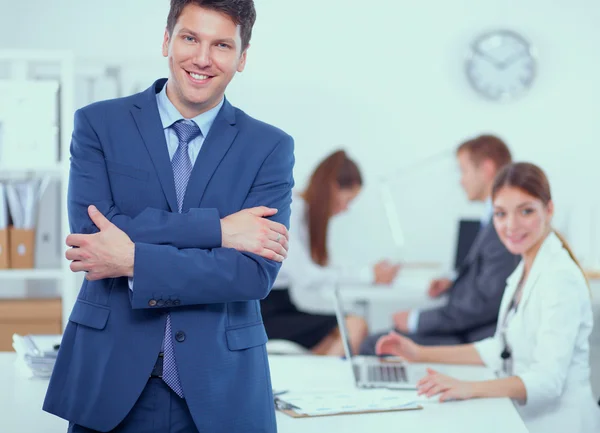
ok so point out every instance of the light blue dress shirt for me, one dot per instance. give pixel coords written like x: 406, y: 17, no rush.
x: 487, y: 213
x: 169, y: 115
x: 413, y: 316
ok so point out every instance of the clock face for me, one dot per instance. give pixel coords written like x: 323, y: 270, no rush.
x: 501, y: 65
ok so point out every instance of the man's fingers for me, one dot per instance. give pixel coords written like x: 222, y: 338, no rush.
x: 262, y: 211
x: 278, y: 228
x: 75, y: 240
x: 98, y: 219
x: 271, y: 255
x: 276, y: 247
x: 280, y: 239
x: 73, y: 254
x: 77, y: 266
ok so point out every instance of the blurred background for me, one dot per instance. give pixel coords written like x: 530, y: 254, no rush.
x: 398, y: 84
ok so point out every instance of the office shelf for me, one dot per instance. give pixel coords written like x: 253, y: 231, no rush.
x: 55, y: 170
x: 31, y: 274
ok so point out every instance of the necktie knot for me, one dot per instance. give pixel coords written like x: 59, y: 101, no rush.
x: 186, y: 131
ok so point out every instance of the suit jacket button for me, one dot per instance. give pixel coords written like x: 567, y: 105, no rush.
x: 176, y: 302
x: 152, y: 303
x: 160, y: 303
x: 180, y: 336
x: 168, y: 303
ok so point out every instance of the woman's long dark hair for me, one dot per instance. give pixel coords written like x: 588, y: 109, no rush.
x: 334, y: 172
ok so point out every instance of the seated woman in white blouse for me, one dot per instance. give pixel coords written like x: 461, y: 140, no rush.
x: 333, y: 185
x: 540, y: 350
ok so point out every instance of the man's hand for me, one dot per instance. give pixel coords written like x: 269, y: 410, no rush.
x: 385, y: 272
x: 249, y: 230
x: 439, y: 286
x: 106, y: 254
x: 401, y: 321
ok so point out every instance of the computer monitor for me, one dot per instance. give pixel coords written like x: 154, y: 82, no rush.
x: 467, y: 232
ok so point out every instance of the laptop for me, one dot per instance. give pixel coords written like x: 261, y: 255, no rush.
x: 375, y: 372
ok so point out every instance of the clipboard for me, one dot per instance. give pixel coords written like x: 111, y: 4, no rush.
x: 292, y: 413
x: 341, y: 403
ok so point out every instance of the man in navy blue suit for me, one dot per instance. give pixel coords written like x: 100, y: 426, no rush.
x: 179, y: 205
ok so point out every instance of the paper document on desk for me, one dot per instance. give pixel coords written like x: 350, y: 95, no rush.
x: 329, y: 403
x: 36, y: 353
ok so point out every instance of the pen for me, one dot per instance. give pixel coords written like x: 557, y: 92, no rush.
x: 282, y: 405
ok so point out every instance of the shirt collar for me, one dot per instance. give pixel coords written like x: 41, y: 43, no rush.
x: 488, y: 211
x: 169, y: 114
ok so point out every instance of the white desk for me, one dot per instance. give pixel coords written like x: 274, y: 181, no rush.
x: 21, y: 400
x: 314, y: 373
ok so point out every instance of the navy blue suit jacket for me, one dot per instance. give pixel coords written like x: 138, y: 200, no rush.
x: 120, y: 163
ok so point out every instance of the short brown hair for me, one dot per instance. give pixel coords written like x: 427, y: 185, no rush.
x: 241, y: 12
x: 487, y: 147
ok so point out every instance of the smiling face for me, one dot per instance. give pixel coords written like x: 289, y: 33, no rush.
x: 521, y: 220
x: 204, y: 53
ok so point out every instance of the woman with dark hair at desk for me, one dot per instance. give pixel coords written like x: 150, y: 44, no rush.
x: 540, y: 350
x: 333, y: 186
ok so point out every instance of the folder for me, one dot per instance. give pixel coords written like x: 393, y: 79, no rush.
x: 48, y: 243
x: 22, y: 244
x: 22, y: 202
x: 316, y: 404
x: 4, y: 249
x: 294, y: 414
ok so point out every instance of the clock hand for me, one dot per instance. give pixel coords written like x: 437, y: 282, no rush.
x: 512, y: 59
x: 486, y: 56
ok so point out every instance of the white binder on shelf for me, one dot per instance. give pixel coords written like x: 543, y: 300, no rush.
x: 48, y: 240
x: 29, y: 119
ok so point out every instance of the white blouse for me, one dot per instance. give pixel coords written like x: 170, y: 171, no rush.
x: 302, y: 276
x: 548, y: 336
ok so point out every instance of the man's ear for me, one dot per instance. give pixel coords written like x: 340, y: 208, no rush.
x: 489, y: 168
x: 165, y: 45
x: 242, y: 62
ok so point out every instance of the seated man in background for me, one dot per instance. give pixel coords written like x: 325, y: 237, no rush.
x: 475, y: 294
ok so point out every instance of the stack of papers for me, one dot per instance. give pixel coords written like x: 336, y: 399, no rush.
x: 330, y: 403
x: 37, y: 353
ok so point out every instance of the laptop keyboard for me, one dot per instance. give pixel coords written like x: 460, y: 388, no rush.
x: 387, y: 373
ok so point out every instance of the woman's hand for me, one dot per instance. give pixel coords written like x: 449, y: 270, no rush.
x: 448, y: 387
x: 398, y: 345
x: 385, y: 272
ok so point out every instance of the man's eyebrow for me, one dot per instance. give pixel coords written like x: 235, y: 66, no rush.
x: 229, y: 41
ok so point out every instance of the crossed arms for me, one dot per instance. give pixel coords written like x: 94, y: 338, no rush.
x: 195, y: 255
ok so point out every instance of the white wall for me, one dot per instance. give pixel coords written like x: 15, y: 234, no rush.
x: 385, y: 82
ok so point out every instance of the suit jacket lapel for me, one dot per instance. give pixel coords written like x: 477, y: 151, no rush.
x: 147, y: 118
x: 215, y: 146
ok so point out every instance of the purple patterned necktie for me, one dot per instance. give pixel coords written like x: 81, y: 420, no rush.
x: 186, y: 131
